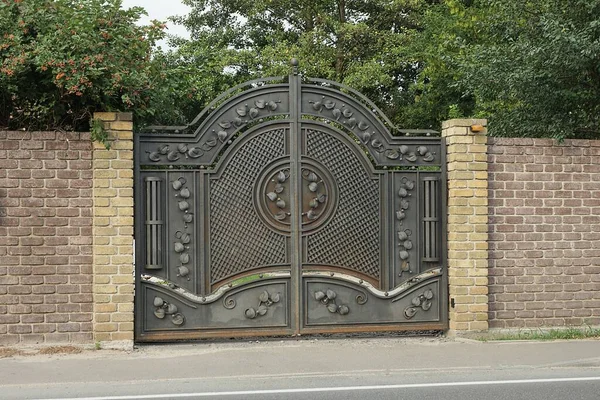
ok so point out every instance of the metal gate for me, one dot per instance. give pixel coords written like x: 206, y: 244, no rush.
x: 287, y: 207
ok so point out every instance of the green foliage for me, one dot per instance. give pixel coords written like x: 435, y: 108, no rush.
x: 363, y: 44
x: 61, y: 60
x: 98, y: 133
x: 552, y: 334
x: 532, y: 67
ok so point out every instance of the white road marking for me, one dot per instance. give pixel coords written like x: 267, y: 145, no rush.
x: 333, y: 389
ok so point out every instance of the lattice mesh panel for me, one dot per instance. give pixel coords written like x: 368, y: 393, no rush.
x: 239, y: 240
x: 351, y: 238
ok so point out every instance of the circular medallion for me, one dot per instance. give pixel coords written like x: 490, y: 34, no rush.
x: 273, y: 192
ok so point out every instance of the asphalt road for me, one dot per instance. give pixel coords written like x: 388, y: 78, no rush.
x: 331, y: 369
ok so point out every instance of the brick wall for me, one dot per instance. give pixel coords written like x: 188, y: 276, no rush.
x: 45, y: 237
x: 544, y: 233
x: 467, y: 224
x: 113, y: 233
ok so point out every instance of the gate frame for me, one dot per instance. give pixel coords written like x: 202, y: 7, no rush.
x: 176, y: 335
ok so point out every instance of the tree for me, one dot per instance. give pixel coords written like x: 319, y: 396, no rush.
x: 361, y: 43
x: 532, y: 67
x: 61, y: 60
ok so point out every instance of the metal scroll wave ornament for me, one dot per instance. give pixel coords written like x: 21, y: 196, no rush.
x: 346, y: 117
x: 422, y: 301
x: 163, y: 309
x: 181, y: 246
x: 276, y: 195
x: 405, y: 243
x: 245, y: 114
x: 265, y: 300
x: 328, y: 299
x: 174, y: 152
x: 316, y: 187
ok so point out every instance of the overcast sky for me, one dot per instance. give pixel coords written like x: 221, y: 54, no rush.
x: 161, y: 10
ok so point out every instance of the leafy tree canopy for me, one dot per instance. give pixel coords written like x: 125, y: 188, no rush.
x: 61, y: 60
x: 532, y: 67
x: 362, y: 43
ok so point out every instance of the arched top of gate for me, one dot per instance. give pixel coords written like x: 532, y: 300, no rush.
x: 351, y: 111
x: 258, y: 101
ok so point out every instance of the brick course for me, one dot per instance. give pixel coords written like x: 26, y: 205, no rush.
x: 113, y: 233
x: 45, y: 237
x: 544, y: 232
x: 467, y: 224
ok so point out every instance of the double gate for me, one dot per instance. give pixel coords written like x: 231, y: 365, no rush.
x: 287, y: 208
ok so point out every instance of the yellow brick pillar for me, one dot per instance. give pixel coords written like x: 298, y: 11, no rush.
x: 113, y: 233
x: 466, y: 141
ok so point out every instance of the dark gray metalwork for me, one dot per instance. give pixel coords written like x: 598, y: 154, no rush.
x: 288, y: 207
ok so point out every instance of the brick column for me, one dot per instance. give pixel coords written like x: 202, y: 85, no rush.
x: 467, y: 224
x: 113, y: 233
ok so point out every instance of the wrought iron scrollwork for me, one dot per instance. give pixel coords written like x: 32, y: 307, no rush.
x: 404, y: 235
x: 246, y: 114
x: 345, y: 116
x: 265, y: 300
x: 362, y: 298
x: 328, y: 299
x: 175, y: 152
x: 404, y: 152
x: 316, y: 187
x: 181, y: 246
x: 163, y: 308
x: 422, y: 301
x: 280, y: 182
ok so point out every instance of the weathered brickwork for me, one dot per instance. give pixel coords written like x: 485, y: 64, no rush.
x: 45, y: 237
x: 113, y: 231
x: 544, y: 233
x: 466, y: 150
x: 523, y: 233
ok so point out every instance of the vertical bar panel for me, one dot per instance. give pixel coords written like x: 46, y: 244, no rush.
x: 148, y: 226
x: 153, y: 223
x: 430, y: 219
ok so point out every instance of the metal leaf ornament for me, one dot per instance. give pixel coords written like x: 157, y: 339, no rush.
x: 154, y: 156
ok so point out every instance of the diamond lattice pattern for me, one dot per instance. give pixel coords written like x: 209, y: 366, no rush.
x: 351, y: 238
x: 240, y: 241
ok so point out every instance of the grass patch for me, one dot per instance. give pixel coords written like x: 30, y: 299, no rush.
x: 550, y: 334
